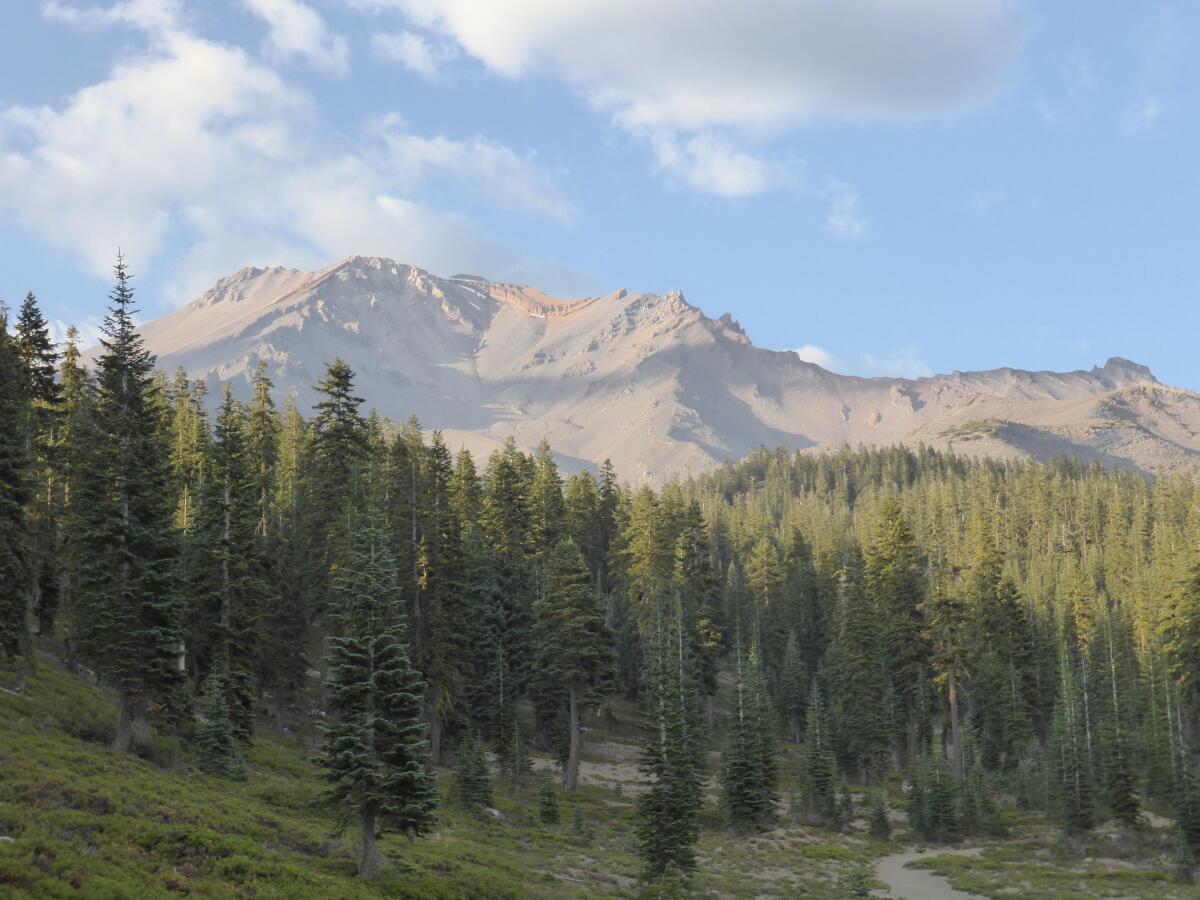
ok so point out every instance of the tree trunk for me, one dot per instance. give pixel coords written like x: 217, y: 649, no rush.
x: 124, y: 736
x: 955, y: 725
x: 436, y: 727
x: 372, y: 859
x: 571, y: 772
x: 912, y: 747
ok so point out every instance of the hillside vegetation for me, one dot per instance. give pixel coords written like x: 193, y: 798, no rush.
x: 772, y: 661
x: 78, y: 820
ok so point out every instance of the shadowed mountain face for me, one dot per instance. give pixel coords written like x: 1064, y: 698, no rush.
x: 644, y: 379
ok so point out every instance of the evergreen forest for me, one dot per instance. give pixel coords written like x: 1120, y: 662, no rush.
x: 860, y: 642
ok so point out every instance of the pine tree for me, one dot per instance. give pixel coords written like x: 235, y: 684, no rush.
x: 860, y: 884
x: 934, y: 804
x: 39, y: 360
x: 669, y: 809
x: 1073, y: 779
x: 845, y: 808
x: 16, y: 552
x: 472, y: 783
x: 376, y: 754
x: 793, y: 688
x: 339, y: 449
x: 127, y: 606
x: 444, y: 598
x: 579, y: 824
x: 895, y: 585
x: 818, y: 770
x: 289, y: 606
x: 859, y: 687
x: 77, y: 395
x: 572, y: 642
x: 232, y: 568
x: 1185, y: 859
x: 880, y: 825
x: 748, y: 763
x: 548, y: 803
x: 215, y: 739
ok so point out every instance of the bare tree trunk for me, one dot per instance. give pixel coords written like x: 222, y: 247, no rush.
x: 372, y: 859
x: 123, y: 739
x: 955, y: 725
x: 571, y: 772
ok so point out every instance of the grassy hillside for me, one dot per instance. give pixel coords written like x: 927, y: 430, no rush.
x: 77, y: 820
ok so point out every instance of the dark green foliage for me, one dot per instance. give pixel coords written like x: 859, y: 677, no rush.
x: 1073, y: 781
x: 215, y: 741
x: 860, y: 884
x: 1185, y: 858
x: 818, y: 768
x: 16, y: 551
x: 793, y: 688
x: 860, y: 692
x: 376, y: 754
x: 229, y: 586
x: 845, y: 809
x: 579, y: 824
x: 748, y: 761
x: 668, y: 810
x: 127, y: 608
x: 1039, y: 619
x: 548, y: 803
x: 895, y: 584
x: 43, y: 397
x: 934, y: 801
x: 574, y: 654
x: 1187, y: 806
x: 472, y: 782
x: 880, y: 825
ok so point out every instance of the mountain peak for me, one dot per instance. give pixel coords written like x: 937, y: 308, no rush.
x: 644, y: 379
x: 1126, y: 370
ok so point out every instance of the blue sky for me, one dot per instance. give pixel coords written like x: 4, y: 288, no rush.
x: 897, y: 186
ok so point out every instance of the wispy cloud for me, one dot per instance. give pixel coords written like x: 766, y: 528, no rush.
x: 415, y: 52
x: 818, y: 356
x: 902, y: 362
x: 1160, y: 47
x: 843, y: 219
x: 709, y: 163
x: 228, y: 172
x: 707, y: 103
x: 296, y: 29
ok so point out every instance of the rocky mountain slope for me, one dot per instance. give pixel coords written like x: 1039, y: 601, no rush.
x: 647, y: 380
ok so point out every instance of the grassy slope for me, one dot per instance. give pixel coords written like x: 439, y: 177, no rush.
x: 85, y: 822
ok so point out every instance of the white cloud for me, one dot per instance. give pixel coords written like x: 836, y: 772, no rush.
x: 192, y: 144
x: 764, y: 63
x: 742, y: 70
x: 297, y: 30
x: 149, y: 15
x: 708, y: 163
x: 513, y: 181
x: 90, y: 331
x: 818, y: 356
x: 413, y: 51
x: 843, y: 219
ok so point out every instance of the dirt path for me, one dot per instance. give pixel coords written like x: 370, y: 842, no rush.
x: 918, y: 884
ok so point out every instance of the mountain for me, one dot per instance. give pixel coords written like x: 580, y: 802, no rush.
x: 647, y: 380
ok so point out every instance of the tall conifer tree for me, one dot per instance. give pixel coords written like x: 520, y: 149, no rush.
x: 128, y: 607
